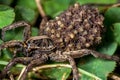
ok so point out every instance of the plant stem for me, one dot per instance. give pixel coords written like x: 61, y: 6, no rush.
x: 40, y: 9
x: 24, y: 68
x: 68, y: 66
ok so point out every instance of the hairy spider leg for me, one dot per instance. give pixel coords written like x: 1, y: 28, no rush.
x: 68, y: 56
x: 12, y: 44
x: 42, y: 25
x: 60, y: 57
x: 74, y: 68
x: 14, y: 61
x: 85, y: 52
x: 27, y: 29
x: 37, y: 61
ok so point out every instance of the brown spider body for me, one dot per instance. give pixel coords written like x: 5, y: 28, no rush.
x: 34, y: 48
x: 37, y: 50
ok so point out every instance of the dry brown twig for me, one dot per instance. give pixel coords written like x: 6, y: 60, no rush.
x: 11, y: 77
x: 43, y: 15
x: 116, y: 5
x: 40, y: 9
x: 21, y: 73
x: 63, y: 65
x: 114, y: 76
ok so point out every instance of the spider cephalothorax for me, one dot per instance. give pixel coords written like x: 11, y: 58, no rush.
x: 38, y: 43
x: 63, y: 40
x: 30, y: 44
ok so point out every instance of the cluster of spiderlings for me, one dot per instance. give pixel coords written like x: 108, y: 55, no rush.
x: 76, y: 28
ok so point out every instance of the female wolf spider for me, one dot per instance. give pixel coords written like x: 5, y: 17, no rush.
x: 37, y: 50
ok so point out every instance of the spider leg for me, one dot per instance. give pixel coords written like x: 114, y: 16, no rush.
x: 27, y: 29
x: 74, y: 68
x: 42, y: 25
x: 60, y: 57
x: 12, y: 44
x: 85, y: 52
x: 37, y: 61
x: 22, y: 60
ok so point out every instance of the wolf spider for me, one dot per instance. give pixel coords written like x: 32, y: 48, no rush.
x: 38, y: 49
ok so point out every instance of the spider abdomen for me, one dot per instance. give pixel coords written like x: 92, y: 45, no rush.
x: 76, y: 28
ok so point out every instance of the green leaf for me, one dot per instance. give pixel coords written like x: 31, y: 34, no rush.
x: 57, y: 73
x: 99, y: 67
x: 111, y: 16
x: 24, y: 13
x: 7, y: 2
x: 7, y: 15
x: 116, y: 32
x: 5, y: 63
x: 5, y: 55
x: 9, y: 35
x: 1, y: 41
x: 17, y: 34
x: 31, y: 5
x: 27, y: 3
x: 108, y: 48
x: 54, y: 7
x: 34, y: 31
x: 20, y: 33
x: 97, y: 1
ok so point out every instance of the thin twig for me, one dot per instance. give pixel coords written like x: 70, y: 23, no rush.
x: 116, y: 5
x: 68, y: 66
x: 43, y: 15
x: 39, y: 6
x: 24, y: 68
x: 63, y: 77
x: 11, y: 77
x: 114, y: 76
